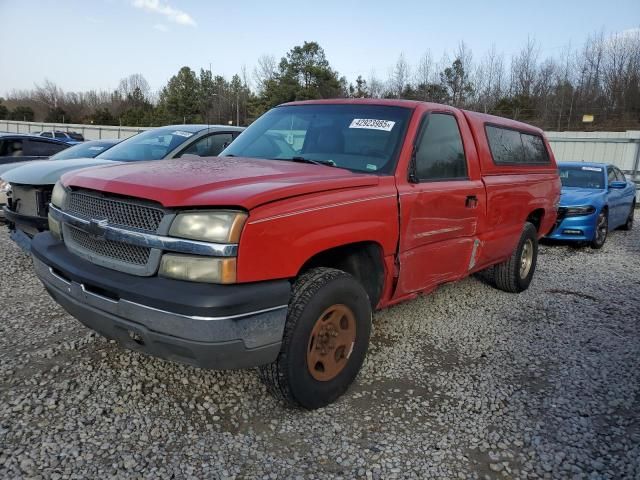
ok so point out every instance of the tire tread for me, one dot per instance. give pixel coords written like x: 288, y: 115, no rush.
x: 273, y: 375
x: 505, y: 274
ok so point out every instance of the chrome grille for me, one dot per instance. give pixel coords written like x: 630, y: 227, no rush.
x: 117, y: 212
x: 121, y: 252
x: 131, y: 214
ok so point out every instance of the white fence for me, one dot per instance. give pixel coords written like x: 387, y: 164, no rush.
x: 89, y: 132
x: 620, y: 148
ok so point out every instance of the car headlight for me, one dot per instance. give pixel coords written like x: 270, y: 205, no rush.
x: 580, y: 211
x: 218, y: 226
x: 58, y: 195
x: 4, y: 186
x: 198, y: 269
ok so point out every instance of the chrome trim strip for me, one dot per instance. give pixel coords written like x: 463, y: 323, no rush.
x: 436, y: 232
x: 195, y: 317
x: 58, y: 277
x: 100, y: 297
x: 323, y: 207
x: 148, y: 240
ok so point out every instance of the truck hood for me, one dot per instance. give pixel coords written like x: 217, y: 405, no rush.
x: 48, y: 172
x: 573, y: 196
x: 217, y: 181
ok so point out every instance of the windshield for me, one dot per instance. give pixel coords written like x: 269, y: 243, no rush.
x: 362, y: 138
x: 582, y: 177
x: 153, y: 144
x: 83, y: 150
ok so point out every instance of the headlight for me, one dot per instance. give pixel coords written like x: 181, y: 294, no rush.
x: 58, y: 195
x: 198, y: 269
x: 580, y: 211
x: 4, y: 186
x: 219, y: 227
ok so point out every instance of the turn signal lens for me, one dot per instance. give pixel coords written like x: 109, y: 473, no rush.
x: 55, y: 228
x: 198, y: 269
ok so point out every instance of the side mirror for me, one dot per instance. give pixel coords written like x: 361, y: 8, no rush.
x: 618, y: 185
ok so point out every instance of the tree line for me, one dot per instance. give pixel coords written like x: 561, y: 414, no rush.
x: 595, y: 86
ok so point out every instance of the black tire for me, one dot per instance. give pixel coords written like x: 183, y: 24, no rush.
x: 288, y: 377
x: 629, y: 223
x: 508, y: 275
x: 601, y: 231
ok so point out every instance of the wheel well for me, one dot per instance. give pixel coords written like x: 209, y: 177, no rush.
x: 363, y: 260
x: 535, y: 218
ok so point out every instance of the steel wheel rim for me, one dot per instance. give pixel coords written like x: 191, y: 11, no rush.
x: 526, y: 258
x: 601, y: 228
x: 331, y: 342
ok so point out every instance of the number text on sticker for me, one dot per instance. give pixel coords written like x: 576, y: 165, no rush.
x: 372, y: 124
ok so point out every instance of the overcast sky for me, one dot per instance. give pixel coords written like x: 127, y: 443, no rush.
x: 87, y: 44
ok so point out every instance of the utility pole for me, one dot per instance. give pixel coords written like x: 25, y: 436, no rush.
x: 237, y: 108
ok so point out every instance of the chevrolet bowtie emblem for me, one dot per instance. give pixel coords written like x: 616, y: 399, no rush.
x: 96, y: 228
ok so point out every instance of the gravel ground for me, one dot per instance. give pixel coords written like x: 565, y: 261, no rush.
x: 468, y: 382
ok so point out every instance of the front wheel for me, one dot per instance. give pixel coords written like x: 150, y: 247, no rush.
x: 515, y: 274
x: 629, y: 223
x: 325, y: 339
x: 602, y: 230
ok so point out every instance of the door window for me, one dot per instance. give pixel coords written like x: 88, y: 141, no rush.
x: 611, y: 175
x: 209, y: 146
x: 619, y: 175
x: 42, y: 148
x: 440, y: 152
x: 46, y: 134
x: 511, y: 147
x: 11, y: 147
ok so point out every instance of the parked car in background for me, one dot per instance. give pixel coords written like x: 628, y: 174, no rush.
x: 18, y: 148
x: 31, y: 185
x: 276, y: 253
x: 85, y: 149
x: 596, y: 198
x: 68, y: 137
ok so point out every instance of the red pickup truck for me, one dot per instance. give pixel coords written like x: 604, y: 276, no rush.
x: 276, y: 253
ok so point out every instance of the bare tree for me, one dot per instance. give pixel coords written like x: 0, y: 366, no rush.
x: 264, y: 71
x: 489, y: 79
x: 524, y: 68
x: 49, y: 94
x: 399, y: 77
x: 375, y: 85
x: 130, y: 84
x: 425, y: 72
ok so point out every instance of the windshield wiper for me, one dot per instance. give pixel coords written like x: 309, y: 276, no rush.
x: 328, y: 163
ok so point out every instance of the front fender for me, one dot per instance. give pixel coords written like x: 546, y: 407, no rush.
x: 277, y: 245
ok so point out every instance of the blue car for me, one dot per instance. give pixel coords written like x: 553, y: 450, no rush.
x: 596, y: 198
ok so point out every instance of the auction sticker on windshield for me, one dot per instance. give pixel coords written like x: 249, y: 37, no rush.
x: 180, y: 133
x: 592, y: 169
x: 372, y: 124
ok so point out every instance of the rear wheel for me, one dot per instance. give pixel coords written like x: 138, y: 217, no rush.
x: 325, y: 339
x: 602, y: 230
x: 629, y: 223
x: 515, y: 274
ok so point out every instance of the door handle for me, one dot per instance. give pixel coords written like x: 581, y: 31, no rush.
x: 471, y: 202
